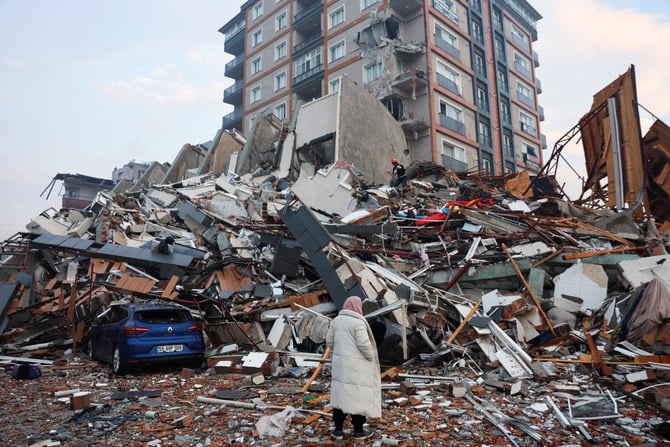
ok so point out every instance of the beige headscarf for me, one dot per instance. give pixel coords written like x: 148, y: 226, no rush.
x: 354, y: 304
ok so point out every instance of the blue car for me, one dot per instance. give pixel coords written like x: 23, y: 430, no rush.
x: 131, y: 333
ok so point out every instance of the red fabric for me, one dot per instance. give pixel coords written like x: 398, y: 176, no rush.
x: 354, y: 304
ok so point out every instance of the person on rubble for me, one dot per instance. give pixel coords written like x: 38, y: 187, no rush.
x: 398, y: 174
x: 355, y: 381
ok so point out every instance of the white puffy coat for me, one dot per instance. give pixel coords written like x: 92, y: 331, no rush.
x: 356, y: 385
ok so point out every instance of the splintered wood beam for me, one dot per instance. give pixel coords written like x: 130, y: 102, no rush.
x: 317, y: 370
x: 464, y: 322
x: 529, y: 290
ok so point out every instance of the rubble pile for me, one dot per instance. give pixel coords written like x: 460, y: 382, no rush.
x: 495, y: 301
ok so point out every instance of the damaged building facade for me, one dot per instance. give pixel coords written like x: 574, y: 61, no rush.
x: 459, y: 76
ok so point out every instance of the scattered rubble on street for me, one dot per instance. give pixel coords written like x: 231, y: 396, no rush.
x: 505, y: 314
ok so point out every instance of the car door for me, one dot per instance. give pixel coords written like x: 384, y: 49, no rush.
x: 110, y: 331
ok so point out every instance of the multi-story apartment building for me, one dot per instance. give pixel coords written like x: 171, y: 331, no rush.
x: 458, y: 75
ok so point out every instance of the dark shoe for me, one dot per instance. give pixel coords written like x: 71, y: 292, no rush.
x: 365, y: 434
x: 337, y: 434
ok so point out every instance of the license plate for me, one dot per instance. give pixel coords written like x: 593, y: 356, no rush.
x: 170, y: 348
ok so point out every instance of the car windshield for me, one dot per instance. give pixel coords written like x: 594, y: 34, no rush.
x: 157, y: 316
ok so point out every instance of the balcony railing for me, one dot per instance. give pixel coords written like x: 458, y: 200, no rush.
x: 448, y: 84
x: 446, y: 46
x: 523, y: 43
x: 234, y: 43
x: 530, y: 130
x: 538, y: 86
x: 235, y: 67
x: 451, y: 123
x: 233, y: 94
x: 526, y: 100
x: 307, y: 14
x: 307, y: 44
x: 453, y: 164
x: 523, y: 70
x: 543, y: 138
x: 536, y: 59
x: 232, y: 118
x: 312, y: 72
x: 540, y: 112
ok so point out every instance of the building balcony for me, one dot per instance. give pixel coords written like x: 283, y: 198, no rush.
x: 447, y: 83
x: 234, y: 43
x: 451, y: 123
x: 308, y: 83
x: 233, y: 120
x: 235, y: 68
x: 538, y: 86
x: 540, y: 111
x: 543, y: 138
x: 410, y: 82
x: 406, y: 8
x: 521, y: 42
x: 526, y: 100
x: 308, y: 20
x: 233, y: 94
x: 412, y: 125
x: 308, y: 44
x: 453, y: 164
x: 536, y: 59
x: 446, y: 46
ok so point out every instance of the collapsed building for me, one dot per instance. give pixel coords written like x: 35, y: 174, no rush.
x: 273, y: 230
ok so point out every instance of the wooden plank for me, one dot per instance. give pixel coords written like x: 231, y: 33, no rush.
x: 316, y: 372
x: 169, y: 288
x: 464, y: 322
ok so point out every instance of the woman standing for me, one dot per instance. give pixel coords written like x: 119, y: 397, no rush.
x: 356, y: 385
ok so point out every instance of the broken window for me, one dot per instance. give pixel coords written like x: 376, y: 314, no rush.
x: 394, y: 105
x: 320, y: 151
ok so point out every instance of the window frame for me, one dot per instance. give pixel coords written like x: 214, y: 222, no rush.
x: 365, y: 4
x: 340, y: 44
x: 281, y: 75
x: 281, y: 104
x: 256, y: 65
x: 255, y: 94
x: 335, y: 12
x: 367, y: 70
x: 257, y: 11
x: 334, y: 85
x: 279, y: 16
x: 283, y: 44
x: 257, y: 38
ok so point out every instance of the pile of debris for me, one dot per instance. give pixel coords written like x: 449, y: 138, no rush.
x: 484, y: 280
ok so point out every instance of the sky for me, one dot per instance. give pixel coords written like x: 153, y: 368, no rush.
x: 86, y: 87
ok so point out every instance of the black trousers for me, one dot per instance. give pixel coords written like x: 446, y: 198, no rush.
x: 339, y: 416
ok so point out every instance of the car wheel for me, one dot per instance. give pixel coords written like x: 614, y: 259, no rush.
x: 320, y: 348
x: 117, y: 365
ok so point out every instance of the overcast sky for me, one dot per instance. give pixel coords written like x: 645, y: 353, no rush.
x: 88, y: 86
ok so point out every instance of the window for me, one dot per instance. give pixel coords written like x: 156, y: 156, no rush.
x: 484, y: 132
x: 334, y: 86
x: 256, y: 65
x: 448, y: 78
x: 445, y: 35
x: 508, y: 148
x: 336, y: 17
x: 450, y: 111
x: 336, y: 52
x: 455, y: 152
x: 280, y: 50
x: 525, y: 94
x: 499, y: 48
x: 505, y: 114
x: 486, y: 164
x: 497, y: 19
x: 280, y: 111
x: 368, y: 3
x: 527, y: 123
x: 257, y: 10
x: 519, y: 36
x: 280, y: 81
x: 522, y: 64
x: 446, y: 7
x: 476, y: 5
x: 257, y: 38
x: 479, y: 66
x: 307, y: 62
x: 255, y: 94
x: 531, y: 151
x: 477, y: 33
x: 482, y: 98
x: 373, y: 71
x: 502, y: 79
x: 280, y: 21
